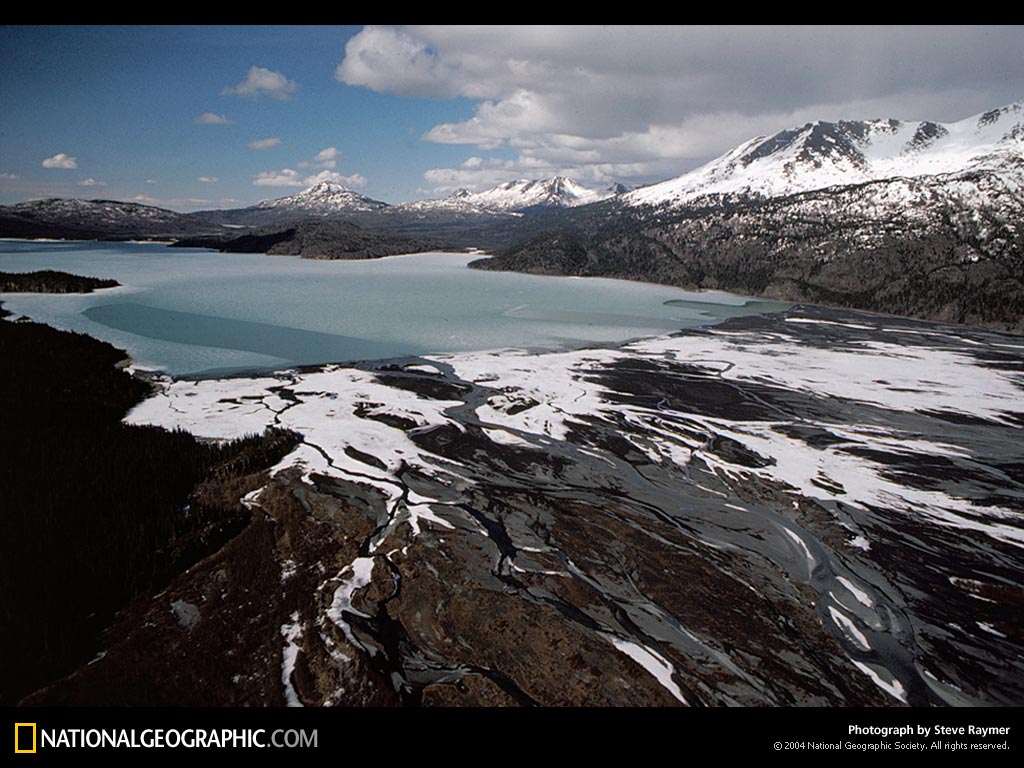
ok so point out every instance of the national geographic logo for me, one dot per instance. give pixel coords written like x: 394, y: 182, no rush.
x: 28, y: 738
x: 24, y: 738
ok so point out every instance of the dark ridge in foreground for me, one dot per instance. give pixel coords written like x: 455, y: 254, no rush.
x: 96, y: 512
x: 51, y: 281
x: 315, y: 239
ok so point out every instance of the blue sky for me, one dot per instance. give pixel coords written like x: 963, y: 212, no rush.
x: 204, y: 117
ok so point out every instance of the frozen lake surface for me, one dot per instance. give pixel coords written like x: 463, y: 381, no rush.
x: 194, y: 311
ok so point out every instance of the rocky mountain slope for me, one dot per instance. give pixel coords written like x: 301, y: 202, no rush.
x: 922, y: 220
x: 823, y: 154
x: 96, y: 220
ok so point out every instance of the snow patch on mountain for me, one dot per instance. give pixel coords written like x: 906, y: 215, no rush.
x: 824, y: 154
x: 512, y: 197
x: 324, y: 199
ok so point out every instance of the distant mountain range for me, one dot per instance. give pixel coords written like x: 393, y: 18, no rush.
x: 325, y: 200
x: 97, y: 220
x: 918, y: 218
x: 330, y: 200
x: 517, y: 196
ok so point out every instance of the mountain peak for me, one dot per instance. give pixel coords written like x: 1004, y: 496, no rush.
x: 325, y: 199
x: 822, y: 154
x: 326, y: 186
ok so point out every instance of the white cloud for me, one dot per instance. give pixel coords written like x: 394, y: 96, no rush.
x: 7, y: 176
x: 212, y: 118
x: 355, y: 181
x: 260, y: 81
x: 60, y: 160
x: 145, y: 199
x: 151, y: 181
x: 264, y: 143
x: 388, y: 59
x: 91, y: 182
x: 208, y: 179
x: 288, y: 177
x: 656, y: 101
x: 325, y: 158
x: 328, y: 154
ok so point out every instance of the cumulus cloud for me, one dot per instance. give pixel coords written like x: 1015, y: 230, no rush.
x: 60, y: 160
x: 212, y: 118
x: 659, y: 100
x: 7, y: 176
x: 208, y: 179
x: 260, y: 144
x: 91, y: 182
x: 325, y: 158
x: 260, y: 81
x: 151, y: 181
x: 355, y: 181
x: 392, y: 61
x: 288, y: 177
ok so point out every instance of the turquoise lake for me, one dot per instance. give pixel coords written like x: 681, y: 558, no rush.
x: 198, y: 312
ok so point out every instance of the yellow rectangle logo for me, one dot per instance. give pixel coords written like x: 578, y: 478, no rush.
x: 19, y: 748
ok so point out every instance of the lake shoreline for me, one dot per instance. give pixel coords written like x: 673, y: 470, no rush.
x: 193, y: 313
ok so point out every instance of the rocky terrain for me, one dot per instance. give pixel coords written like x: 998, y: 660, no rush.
x: 810, y: 508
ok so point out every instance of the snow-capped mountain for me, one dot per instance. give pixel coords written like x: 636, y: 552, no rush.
x: 558, y: 192
x: 511, y: 197
x: 326, y: 199
x: 824, y: 154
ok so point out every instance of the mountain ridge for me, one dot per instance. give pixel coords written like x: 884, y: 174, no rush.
x: 821, y: 154
x: 837, y: 215
x: 99, y: 219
